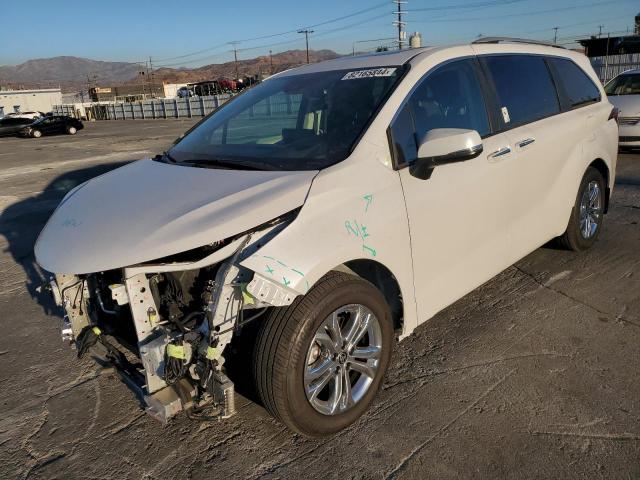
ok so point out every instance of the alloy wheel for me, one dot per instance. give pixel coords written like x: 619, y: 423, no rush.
x: 590, y: 210
x: 342, y: 360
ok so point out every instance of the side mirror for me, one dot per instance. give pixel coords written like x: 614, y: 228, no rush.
x: 441, y: 146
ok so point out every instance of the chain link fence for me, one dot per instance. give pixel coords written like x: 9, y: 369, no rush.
x: 613, y: 65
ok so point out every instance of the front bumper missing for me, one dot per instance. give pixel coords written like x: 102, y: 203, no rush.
x: 235, y: 288
x: 161, y: 401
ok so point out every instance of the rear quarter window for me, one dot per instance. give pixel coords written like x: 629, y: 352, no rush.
x: 578, y: 88
x: 524, y: 88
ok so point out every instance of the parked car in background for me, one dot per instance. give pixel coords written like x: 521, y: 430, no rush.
x: 13, y: 125
x: 31, y: 115
x: 624, y: 92
x: 51, y: 125
x: 184, y: 92
x: 381, y: 189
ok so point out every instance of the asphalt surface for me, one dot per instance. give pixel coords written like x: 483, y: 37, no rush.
x: 533, y: 375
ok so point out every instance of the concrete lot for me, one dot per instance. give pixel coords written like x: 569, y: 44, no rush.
x: 534, y: 375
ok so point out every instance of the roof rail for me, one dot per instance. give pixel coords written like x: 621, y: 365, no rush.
x: 514, y: 40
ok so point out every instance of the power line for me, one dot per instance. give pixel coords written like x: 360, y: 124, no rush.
x: 528, y: 13
x: 353, y: 49
x: 579, y: 24
x: 489, y: 3
x: 587, y: 35
x: 262, y: 37
x: 322, y: 33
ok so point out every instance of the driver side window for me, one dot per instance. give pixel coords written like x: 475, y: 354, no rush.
x: 448, y: 97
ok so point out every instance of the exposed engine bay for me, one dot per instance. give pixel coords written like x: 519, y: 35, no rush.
x: 166, y: 325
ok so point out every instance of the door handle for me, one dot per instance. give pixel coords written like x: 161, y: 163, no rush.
x: 525, y: 142
x: 500, y: 152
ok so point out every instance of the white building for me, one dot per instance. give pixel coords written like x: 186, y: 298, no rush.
x: 41, y: 100
x: 171, y: 89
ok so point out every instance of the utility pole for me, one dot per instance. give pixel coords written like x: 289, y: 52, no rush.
x: 235, y: 56
x: 606, y: 60
x: 555, y: 35
x: 270, y: 62
x: 153, y: 94
x: 148, y: 79
x: 91, y: 82
x: 399, y: 23
x: 600, y: 27
x: 142, y: 81
x: 306, y: 37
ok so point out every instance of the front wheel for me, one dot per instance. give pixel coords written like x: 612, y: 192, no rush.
x: 587, y: 213
x: 36, y: 134
x: 320, y: 361
x: 71, y: 130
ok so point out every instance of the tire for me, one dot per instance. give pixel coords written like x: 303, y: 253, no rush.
x: 71, y: 130
x: 286, y: 341
x: 36, y: 134
x: 574, y: 238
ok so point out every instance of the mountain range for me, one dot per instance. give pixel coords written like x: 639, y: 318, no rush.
x: 75, y: 73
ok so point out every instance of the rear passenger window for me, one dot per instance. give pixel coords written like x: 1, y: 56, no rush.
x: 578, y: 87
x: 524, y: 88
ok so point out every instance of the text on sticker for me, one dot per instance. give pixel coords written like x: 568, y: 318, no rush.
x: 372, y: 72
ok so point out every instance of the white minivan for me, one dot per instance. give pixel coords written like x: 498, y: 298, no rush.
x: 329, y: 211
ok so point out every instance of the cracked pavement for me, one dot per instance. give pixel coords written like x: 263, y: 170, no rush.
x: 533, y: 375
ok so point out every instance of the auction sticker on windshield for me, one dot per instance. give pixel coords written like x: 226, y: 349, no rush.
x: 372, y: 72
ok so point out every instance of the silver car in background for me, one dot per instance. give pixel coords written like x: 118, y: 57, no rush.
x: 624, y: 92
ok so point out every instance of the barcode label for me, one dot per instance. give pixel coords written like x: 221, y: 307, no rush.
x: 373, y: 72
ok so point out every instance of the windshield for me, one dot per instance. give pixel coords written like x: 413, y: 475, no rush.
x: 628, y: 84
x: 298, y: 122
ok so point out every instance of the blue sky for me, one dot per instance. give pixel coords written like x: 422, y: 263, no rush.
x: 191, y: 34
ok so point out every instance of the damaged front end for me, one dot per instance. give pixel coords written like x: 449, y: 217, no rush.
x: 166, y: 325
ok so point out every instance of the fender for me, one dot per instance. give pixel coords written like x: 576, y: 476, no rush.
x: 353, y: 211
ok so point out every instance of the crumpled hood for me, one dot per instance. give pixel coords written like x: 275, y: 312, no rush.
x: 628, y: 105
x: 147, y: 210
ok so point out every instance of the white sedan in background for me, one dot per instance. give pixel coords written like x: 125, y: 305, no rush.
x: 624, y: 92
x: 32, y: 115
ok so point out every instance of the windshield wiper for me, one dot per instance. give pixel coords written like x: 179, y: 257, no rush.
x: 165, y: 157
x: 227, y: 164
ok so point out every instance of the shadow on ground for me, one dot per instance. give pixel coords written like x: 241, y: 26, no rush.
x: 21, y: 223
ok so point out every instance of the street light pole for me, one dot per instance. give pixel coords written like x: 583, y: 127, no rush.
x: 306, y: 37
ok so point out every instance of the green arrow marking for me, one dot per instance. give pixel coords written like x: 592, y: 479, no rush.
x: 368, y: 198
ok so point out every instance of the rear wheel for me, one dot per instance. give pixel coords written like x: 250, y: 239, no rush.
x: 587, y: 213
x: 320, y: 361
x: 71, y: 130
x: 36, y: 134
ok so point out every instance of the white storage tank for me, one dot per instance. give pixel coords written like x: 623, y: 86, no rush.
x: 415, y: 40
